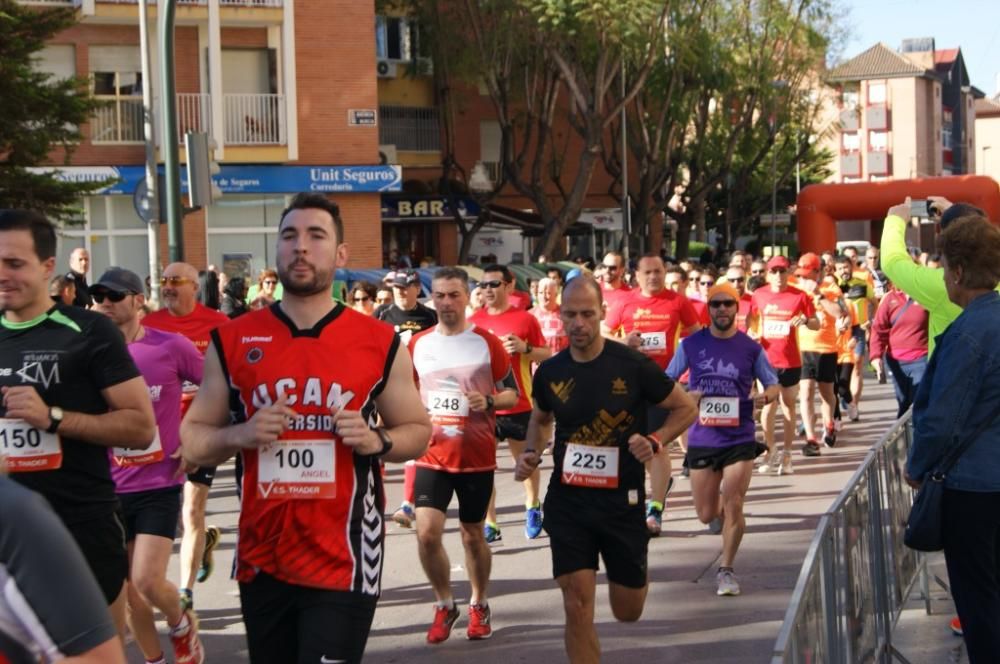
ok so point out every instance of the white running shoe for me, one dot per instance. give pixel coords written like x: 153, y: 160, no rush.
x: 786, y: 464
x: 727, y: 583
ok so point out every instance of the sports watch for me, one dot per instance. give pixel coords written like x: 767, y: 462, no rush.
x: 55, y: 419
x: 383, y: 435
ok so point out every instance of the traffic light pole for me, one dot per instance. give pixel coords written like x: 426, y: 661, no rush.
x: 153, y: 220
x: 173, y: 214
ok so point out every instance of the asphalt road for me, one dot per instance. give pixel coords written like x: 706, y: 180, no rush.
x: 684, y: 620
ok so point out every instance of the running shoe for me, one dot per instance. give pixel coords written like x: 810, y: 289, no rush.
x: 532, y: 523
x: 770, y: 464
x: 212, y: 537
x: 956, y: 626
x: 491, y: 532
x: 479, y: 622
x: 852, y: 412
x: 838, y: 424
x: 727, y: 583
x: 444, y: 620
x: 786, y: 464
x: 184, y: 638
x: 811, y: 449
x: 715, y: 526
x: 654, y: 520
x: 830, y: 437
x: 186, y: 598
x: 405, y: 515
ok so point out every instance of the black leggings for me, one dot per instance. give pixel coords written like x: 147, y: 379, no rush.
x: 843, y: 386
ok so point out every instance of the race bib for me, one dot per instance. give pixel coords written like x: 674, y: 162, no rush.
x: 590, y: 466
x: 446, y: 403
x: 777, y: 329
x: 297, y: 470
x: 653, y: 342
x: 719, y: 411
x: 28, y: 449
x: 124, y: 456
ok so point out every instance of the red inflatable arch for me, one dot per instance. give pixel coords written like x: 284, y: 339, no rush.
x: 820, y: 206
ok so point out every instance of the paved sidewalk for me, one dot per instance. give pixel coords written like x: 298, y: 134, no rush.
x: 684, y: 620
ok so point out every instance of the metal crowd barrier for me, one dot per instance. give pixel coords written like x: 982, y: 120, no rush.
x: 858, y: 574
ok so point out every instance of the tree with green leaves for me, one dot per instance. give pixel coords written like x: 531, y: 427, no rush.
x: 38, y: 113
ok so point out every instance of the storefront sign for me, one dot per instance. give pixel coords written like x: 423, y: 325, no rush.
x: 275, y: 179
x: 413, y: 208
x: 609, y: 219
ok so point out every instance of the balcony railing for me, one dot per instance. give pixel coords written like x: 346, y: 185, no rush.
x: 254, y: 119
x: 248, y: 119
x: 119, y: 120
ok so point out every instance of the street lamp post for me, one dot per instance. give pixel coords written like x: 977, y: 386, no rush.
x: 777, y: 85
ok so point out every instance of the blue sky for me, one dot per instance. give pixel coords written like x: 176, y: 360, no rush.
x: 972, y: 24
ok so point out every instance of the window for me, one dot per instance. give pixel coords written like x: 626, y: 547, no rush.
x: 58, y: 60
x: 850, y: 98
x: 116, y: 78
x: 851, y: 142
x: 878, y: 140
x: 409, y: 128
x: 397, y: 39
x: 876, y: 93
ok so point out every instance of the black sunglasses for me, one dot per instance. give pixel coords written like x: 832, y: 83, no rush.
x: 735, y: 280
x: 496, y: 283
x: 99, y: 296
x: 362, y: 299
x: 718, y: 304
x: 706, y: 283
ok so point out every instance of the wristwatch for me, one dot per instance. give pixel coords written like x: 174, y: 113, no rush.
x: 489, y: 402
x: 55, y: 419
x: 527, y: 348
x: 383, y: 435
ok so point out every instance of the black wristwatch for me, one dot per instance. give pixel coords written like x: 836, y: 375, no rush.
x: 55, y: 419
x: 528, y: 348
x: 490, y: 403
x: 383, y: 435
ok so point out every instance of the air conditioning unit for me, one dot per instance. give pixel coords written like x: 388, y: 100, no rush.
x: 386, y: 69
x: 387, y: 155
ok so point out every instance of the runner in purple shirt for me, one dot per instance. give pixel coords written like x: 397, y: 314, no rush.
x: 723, y: 362
x: 148, y: 482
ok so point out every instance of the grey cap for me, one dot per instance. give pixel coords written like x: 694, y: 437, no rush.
x: 120, y: 280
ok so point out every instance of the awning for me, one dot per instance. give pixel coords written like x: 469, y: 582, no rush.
x: 529, y: 223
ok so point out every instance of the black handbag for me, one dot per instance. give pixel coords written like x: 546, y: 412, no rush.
x: 923, y: 527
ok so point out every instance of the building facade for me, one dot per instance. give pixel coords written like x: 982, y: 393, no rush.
x: 988, y: 137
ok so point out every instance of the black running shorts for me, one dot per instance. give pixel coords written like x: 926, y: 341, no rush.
x: 717, y: 458
x: 580, y: 536
x: 102, y: 541
x: 821, y: 367
x: 434, y: 488
x: 151, y: 512
x: 513, y: 427
x: 289, y: 624
x: 789, y: 377
x: 204, y: 475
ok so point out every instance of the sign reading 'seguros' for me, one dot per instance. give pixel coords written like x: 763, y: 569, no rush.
x: 241, y: 179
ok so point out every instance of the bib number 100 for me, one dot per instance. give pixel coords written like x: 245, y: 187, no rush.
x: 293, y: 458
x: 20, y: 438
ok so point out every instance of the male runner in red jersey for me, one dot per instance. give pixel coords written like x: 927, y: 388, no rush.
x: 295, y: 389
x: 612, y: 281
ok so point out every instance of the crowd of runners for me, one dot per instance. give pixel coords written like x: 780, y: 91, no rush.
x: 118, y: 416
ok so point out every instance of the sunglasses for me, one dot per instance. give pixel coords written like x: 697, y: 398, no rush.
x: 496, y: 283
x: 271, y: 282
x: 362, y: 299
x: 718, y: 304
x: 706, y: 283
x: 736, y: 280
x: 100, y: 296
x: 174, y: 281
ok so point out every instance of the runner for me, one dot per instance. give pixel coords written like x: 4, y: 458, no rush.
x: 724, y: 363
x: 650, y: 321
x: 776, y: 313
x: 305, y: 379
x: 737, y: 277
x: 547, y: 313
x: 70, y: 392
x: 860, y: 295
x: 596, y: 393
x: 407, y: 316
x: 42, y: 566
x: 819, y: 352
x: 148, y: 482
x: 183, y: 314
x: 612, y: 280
x: 464, y: 376
x: 522, y: 338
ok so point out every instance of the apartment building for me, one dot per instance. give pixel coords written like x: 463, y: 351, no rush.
x: 988, y: 137
x: 287, y: 89
x: 903, y: 114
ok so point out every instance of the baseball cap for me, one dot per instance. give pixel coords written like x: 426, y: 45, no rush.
x: 405, y: 278
x: 808, y: 262
x: 778, y: 262
x: 959, y: 210
x: 723, y: 288
x: 120, y: 280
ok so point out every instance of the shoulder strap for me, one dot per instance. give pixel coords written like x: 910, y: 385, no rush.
x: 902, y: 310
x: 956, y: 452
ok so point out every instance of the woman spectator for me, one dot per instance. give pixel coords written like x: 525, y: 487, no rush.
x: 208, y: 289
x: 958, y: 402
x: 899, y: 343
x: 363, y: 297
x: 234, y: 297
x: 266, y: 282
